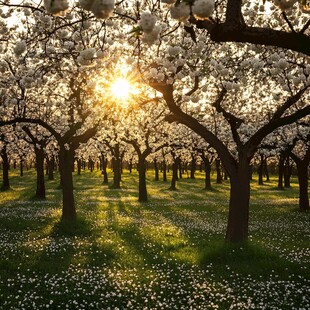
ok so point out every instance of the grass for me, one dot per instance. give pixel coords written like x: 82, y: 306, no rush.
x: 168, y: 253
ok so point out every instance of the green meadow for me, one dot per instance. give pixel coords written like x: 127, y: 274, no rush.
x: 168, y: 253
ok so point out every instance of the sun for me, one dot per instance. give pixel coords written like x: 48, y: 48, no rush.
x: 121, y: 88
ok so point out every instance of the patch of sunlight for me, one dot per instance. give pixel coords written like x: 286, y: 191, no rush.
x: 169, y: 239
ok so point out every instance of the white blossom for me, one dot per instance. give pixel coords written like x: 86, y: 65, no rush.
x: 88, y: 54
x: 56, y: 6
x: 152, y: 37
x: 20, y: 47
x: 86, y: 4
x: 103, y: 8
x: 147, y: 22
x: 203, y: 9
x: 174, y: 50
x: 180, y: 12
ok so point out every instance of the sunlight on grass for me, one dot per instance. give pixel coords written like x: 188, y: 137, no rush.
x: 165, y: 254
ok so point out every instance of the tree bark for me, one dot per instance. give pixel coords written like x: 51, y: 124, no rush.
x: 280, y: 172
x: 180, y: 170
x: 207, y: 174
x: 117, y: 173
x: 142, y: 180
x: 302, y: 170
x: 21, y: 167
x: 238, y: 217
x: 51, y: 168
x: 219, y: 178
x: 287, y: 172
x: 266, y: 172
x: 104, y: 170
x: 79, y: 166
x: 40, y: 190
x: 130, y: 166
x: 66, y: 160
x: 156, y: 170
x: 193, y: 167
x: 164, y: 167
x: 174, y: 175
x: 5, y: 169
x: 260, y: 170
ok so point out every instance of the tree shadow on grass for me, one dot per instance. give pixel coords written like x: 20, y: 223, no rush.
x: 246, y: 259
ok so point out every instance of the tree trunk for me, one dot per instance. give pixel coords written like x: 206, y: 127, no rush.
x: 91, y: 165
x: 40, y: 191
x: 79, y: 166
x: 266, y: 172
x: 201, y: 167
x: 287, y: 173
x: 225, y: 175
x: 156, y: 170
x: 51, y: 168
x: 180, y: 170
x: 207, y: 175
x: 142, y: 180
x: 164, y: 167
x: 280, y: 172
x: 21, y: 167
x: 193, y: 167
x: 104, y: 164
x: 238, y: 217
x: 130, y: 166
x: 66, y: 160
x: 219, y: 178
x: 302, y: 170
x: 117, y: 173
x: 174, y: 176
x: 5, y: 169
x: 260, y: 170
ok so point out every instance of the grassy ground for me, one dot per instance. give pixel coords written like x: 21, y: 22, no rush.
x: 165, y: 254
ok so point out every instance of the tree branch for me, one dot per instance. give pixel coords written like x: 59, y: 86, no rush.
x: 260, y: 134
x: 233, y: 121
x: 298, y: 42
x: 192, y: 123
x: 32, y: 121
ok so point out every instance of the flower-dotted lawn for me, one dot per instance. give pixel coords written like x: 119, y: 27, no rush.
x: 165, y: 254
